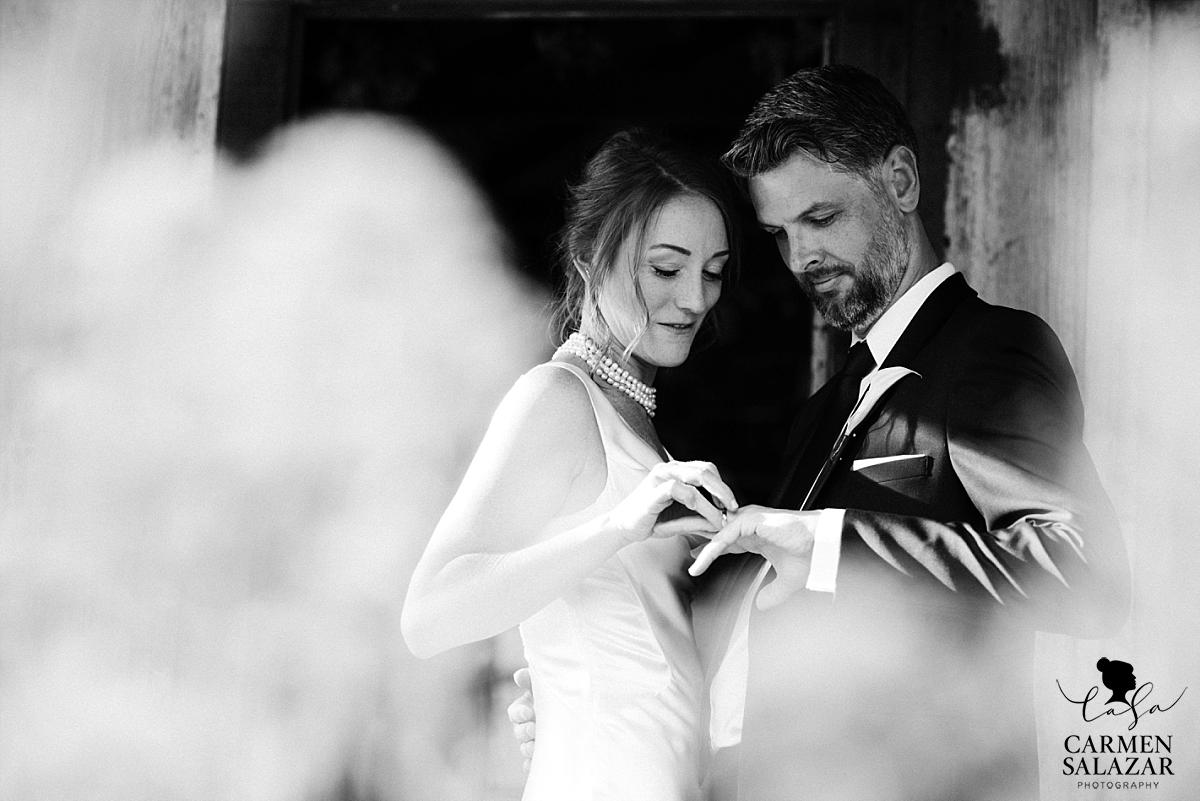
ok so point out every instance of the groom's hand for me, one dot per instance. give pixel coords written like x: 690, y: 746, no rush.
x: 783, y: 537
x: 520, y: 714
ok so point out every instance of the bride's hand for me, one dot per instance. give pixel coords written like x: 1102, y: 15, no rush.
x: 637, y: 517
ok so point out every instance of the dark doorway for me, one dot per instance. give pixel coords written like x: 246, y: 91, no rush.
x: 524, y: 100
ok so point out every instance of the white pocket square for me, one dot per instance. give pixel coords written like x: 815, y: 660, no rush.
x: 882, y: 469
x: 859, y: 464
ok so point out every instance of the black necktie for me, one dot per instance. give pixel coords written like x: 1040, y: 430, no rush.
x: 843, y: 396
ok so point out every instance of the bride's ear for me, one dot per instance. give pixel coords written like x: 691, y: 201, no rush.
x: 582, y: 268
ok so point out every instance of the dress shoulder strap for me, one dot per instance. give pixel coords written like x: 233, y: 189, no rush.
x: 615, y: 433
x: 604, y: 411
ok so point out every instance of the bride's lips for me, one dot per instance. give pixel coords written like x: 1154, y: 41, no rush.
x: 679, y: 328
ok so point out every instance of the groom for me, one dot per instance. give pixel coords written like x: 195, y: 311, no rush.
x: 918, y: 540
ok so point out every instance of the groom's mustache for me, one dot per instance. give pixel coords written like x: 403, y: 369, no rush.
x: 809, y: 278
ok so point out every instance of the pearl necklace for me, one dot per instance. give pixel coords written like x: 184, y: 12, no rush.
x: 598, y: 362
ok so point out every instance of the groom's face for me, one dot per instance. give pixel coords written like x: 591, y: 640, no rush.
x: 840, y: 234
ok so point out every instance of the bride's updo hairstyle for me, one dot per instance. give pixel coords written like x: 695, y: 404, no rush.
x: 632, y: 176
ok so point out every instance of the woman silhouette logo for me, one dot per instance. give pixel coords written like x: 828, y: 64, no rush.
x: 1118, y: 677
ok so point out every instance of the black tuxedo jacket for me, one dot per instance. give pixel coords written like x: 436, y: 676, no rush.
x: 913, y: 680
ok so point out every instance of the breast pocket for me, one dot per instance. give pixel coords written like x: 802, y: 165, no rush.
x: 883, y: 469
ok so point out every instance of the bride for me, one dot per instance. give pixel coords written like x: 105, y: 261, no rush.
x: 556, y: 525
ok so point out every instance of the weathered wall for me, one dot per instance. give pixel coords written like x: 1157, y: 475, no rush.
x: 113, y: 75
x: 1141, y: 329
x: 81, y: 82
x: 1017, y: 197
x: 1073, y: 196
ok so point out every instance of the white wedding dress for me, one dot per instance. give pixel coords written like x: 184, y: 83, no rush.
x: 617, y: 685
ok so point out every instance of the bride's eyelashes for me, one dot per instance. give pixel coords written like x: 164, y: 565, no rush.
x: 670, y: 272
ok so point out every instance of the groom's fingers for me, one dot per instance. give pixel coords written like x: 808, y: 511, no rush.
x: 718, y: 545
x: 734, y: 548
x: 521, y: 715
x: 521, y: 710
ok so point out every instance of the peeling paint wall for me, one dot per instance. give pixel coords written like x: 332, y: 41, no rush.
x: 1018, y: 185
x: 1075, y: 197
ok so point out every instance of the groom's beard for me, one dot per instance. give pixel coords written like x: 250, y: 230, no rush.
x: 875, y: 282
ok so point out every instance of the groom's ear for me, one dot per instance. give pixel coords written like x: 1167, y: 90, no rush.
x: 902, y: 179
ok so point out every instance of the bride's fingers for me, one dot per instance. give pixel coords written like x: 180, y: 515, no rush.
x: 690, y: 497
x: 710, y: 478
x: 705, y: 474
x: 691, y: 524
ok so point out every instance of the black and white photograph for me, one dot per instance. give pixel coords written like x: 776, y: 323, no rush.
x: 599, y: 400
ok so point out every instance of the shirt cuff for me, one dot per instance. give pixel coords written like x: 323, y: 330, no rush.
x: 827, y: 548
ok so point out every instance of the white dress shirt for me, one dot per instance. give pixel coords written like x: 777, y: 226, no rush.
x: 727, y: 695
x: 883, y: 336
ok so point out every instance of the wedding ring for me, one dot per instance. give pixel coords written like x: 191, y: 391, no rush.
x: 724, y: 517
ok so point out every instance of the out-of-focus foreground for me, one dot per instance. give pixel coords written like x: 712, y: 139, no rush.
x: 235, y: 400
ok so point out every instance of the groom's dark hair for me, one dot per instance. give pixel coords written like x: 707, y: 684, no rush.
x: 836, y: 113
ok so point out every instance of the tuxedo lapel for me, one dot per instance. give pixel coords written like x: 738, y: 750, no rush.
x: 929, y: 319
x: 802, y: 433
x: 932, y: 315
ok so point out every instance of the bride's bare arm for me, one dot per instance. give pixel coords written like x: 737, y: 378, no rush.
x: 486, y: 567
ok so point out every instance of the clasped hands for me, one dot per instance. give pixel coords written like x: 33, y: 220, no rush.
x: 783, y: 537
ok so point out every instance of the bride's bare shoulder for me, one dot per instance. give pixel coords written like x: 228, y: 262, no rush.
x: 554, y: 402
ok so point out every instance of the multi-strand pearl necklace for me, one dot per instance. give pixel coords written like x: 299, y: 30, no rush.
x: 602, y: 364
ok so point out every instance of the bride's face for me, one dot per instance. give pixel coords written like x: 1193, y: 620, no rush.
x: 679, y: 271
